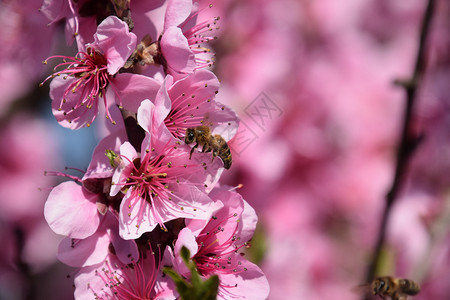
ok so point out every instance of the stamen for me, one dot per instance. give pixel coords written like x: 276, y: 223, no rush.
x: 89, y: 71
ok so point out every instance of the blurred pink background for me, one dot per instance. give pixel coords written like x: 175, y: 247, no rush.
x: 312, y: 81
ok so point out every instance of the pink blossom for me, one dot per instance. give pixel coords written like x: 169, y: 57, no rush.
x: 91, y: 76
x: 214, y: 246
x: 75, y: 209
x: 190, y: 102
x: 182, y: 40
x: 160, y: 183
x: 82, y: 214
x: 114, y: 279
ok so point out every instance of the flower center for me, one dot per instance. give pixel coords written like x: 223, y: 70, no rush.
x: 155, y: 179
x: 90, y: 79
x: 186, y: 112
x: 133, y: 281
x: 217, y: 248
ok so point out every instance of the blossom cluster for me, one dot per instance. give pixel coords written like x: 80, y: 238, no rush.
x: 152, y: 186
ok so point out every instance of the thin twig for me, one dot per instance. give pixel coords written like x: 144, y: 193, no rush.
x: 408, y: 141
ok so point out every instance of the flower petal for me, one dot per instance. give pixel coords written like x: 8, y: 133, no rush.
x: 116, y: 42
x: 177, y: 12
x: 250, y: 284
x: 186, y: 238
x: 71, y: 211
x: 86, y: 252
x: 134, y: 220
x: 66, y: 108
x: 100, y: 166
x: 128, y: 154
x: 132, y: 89
x: 176, y: 51
x: 145, y: 116
x: 249, y: 219
x: 138, y: 216
x: 196, y: 226
x: 126, y: 250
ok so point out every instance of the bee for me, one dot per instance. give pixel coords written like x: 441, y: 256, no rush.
x: 395, y: 288
x: 216, y: 144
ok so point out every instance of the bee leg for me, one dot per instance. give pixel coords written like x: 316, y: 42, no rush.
x: 192, y: 150
x: 206, y: 148
x: 215, y: 153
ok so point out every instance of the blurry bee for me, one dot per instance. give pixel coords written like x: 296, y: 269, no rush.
x: 395, y: 288
x: 216, y: 144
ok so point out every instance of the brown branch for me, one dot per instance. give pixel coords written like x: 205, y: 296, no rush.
x: 408, y: 142
x: 135, y: 133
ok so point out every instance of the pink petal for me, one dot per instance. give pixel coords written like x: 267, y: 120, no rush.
x: 116, y: 42
x: 131, y: 224
x: 126, y: 250
x: 66, y: 117
x: 86, y: 252
x: 100, y: 166
x: 150, y: 19
x: 144, y: 217
x: 225, y: 121
x: 132, y: 89
x: 250, y: 284
x: 233, y: 206
x: 151, y: 119
x: 165, y: 288
x: 86, y: 31
x: 199, y: 87
x: 128, y: 154
x: 55, y: 10
x: 71, y: 211
x: 162, y: 101
x: 177, y: 12
x: 249, y: 219
x: 186, y: 238
x: 210, y: 176
x: 145, y: 115
x: 176, y: 51
x: 92, y: 250
x: 196, y: 226
x: 202, y: 83
x: 87, y: 281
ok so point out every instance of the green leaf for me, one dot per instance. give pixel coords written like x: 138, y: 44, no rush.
x: 197, y: 288
x: 183, y: 287
x: 210, y: 288
x: 185, y: 255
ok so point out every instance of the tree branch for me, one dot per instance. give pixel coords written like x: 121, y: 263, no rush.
x: 408, y: 141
